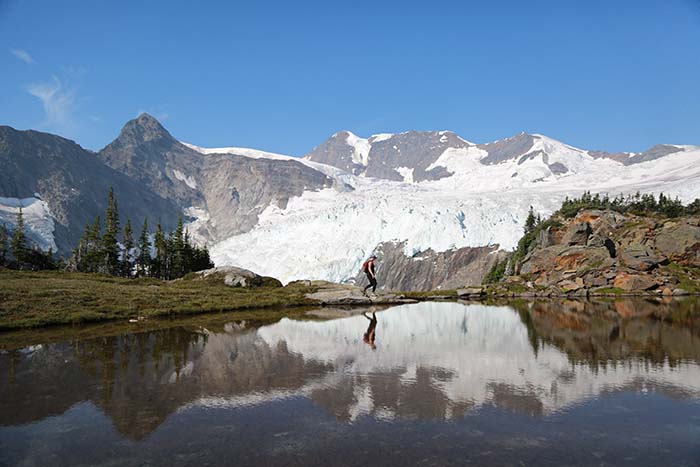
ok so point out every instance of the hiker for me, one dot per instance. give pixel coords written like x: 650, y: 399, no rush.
x: 369, y: 336
x: 369, y: 269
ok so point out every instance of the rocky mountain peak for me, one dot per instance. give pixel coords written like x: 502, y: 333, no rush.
x: 143, y: 129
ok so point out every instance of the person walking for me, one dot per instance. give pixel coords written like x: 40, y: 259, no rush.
x: 370, y: 270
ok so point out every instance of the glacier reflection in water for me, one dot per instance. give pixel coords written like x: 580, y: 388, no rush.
x: 466, y: 356
x: 433, y: 362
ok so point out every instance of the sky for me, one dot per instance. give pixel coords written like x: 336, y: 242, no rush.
x: 284, y: 76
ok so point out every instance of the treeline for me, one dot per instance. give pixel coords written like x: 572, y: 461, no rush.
x: 105, y: 250
x: 16, y: 252
x: 635, y: 204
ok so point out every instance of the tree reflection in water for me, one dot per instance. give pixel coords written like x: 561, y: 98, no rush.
x: 437, y: 361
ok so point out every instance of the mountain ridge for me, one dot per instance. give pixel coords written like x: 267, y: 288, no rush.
x: 318, y: 216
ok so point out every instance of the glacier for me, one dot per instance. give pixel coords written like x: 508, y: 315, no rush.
x: 326, y: 234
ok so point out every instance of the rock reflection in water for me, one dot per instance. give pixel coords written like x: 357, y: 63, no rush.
x: 433, y: 361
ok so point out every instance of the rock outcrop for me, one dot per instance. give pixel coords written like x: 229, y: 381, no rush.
x: 430, y: 270
x: 237, y: 277
x: 329, y: 293
x: 605, y: 251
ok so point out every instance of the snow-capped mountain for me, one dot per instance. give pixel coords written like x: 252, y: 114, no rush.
x: 432, y: 203
x: 461, y: 195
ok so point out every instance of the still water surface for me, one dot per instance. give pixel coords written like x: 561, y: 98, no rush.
x: 442, y: 384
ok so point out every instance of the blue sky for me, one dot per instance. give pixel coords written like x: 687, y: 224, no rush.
x: 283, y: 76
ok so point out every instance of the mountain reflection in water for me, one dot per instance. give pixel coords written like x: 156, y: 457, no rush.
x: 433, y: 361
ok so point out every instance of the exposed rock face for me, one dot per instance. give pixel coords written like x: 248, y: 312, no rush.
x: 630, y: 282
x: 74, y: 184
x: 640, y: 257
x: 680, y: 241
x: 232, y: 189
x: 393, y: 157
x: 429, y: 270
x: 146, y: 152
x: 238, y: 277
x: 627, y: 158
x: 506, y: 149
x: 604, y: 249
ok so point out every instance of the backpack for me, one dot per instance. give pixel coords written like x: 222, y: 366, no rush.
x: 365, y: 266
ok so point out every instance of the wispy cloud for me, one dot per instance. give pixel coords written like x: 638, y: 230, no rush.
x: 58, y: 102
x: 22, y: 55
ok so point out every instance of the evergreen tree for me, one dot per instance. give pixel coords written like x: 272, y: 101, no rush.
x: 143, y: 260
x: 18, y: 244
x: 177, y: 250
x: 160, y: 260
x: 93, y: 260
x: 127, y: 264
x: 78, y: 259
x: 3, y: 245
x: 110, y: 248
x: 531, y: 221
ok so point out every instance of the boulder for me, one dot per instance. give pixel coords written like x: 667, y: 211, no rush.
x: 640, y: 257
x: 634, y: 282
x: 577, y: 234
x: 545, y: 238
x: 680, y: 292
x: 238, y: 277
x: 595, y: 280
x: 569, y: 285
x: 582, y: 257
x: 470, y: 292
x: 329, y: 293
x: 540, y: 259
x: 673, y: 239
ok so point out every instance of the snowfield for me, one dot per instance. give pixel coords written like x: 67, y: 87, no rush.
x: 326, y: 234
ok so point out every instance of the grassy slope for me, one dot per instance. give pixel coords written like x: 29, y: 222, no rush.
x: 38, y: 298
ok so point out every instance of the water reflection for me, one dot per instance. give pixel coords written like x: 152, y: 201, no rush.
x: 434, y: 361
x: 370, y: 335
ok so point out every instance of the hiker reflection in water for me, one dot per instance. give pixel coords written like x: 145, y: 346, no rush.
x: 370, y: 335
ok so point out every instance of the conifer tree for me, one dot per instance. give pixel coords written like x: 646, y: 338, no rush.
x: 177, y: 242
x: 530, y: 222
x: 128, y: 242
x: 110, y: 248
x: 3, y: 245
x: 161, y: 247
x: 143, y: 260
x: 18, y: 244
x: 93, y: 260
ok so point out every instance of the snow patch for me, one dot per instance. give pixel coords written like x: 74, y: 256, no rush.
x: 189, y: 180
x: 361, y: 148
x: 246, y: 152
x: 406, y: 173
x: 200, y: 227
x: 380, y: 137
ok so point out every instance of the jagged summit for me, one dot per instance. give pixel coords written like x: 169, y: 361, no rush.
x: 143, y: 129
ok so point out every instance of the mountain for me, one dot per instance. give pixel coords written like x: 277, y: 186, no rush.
x: 223, y: 193
x: 434, y: 206
x: 62, y: 186
x: 402, y: 157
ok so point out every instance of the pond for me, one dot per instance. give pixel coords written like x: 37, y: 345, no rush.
x: 538, y: 383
